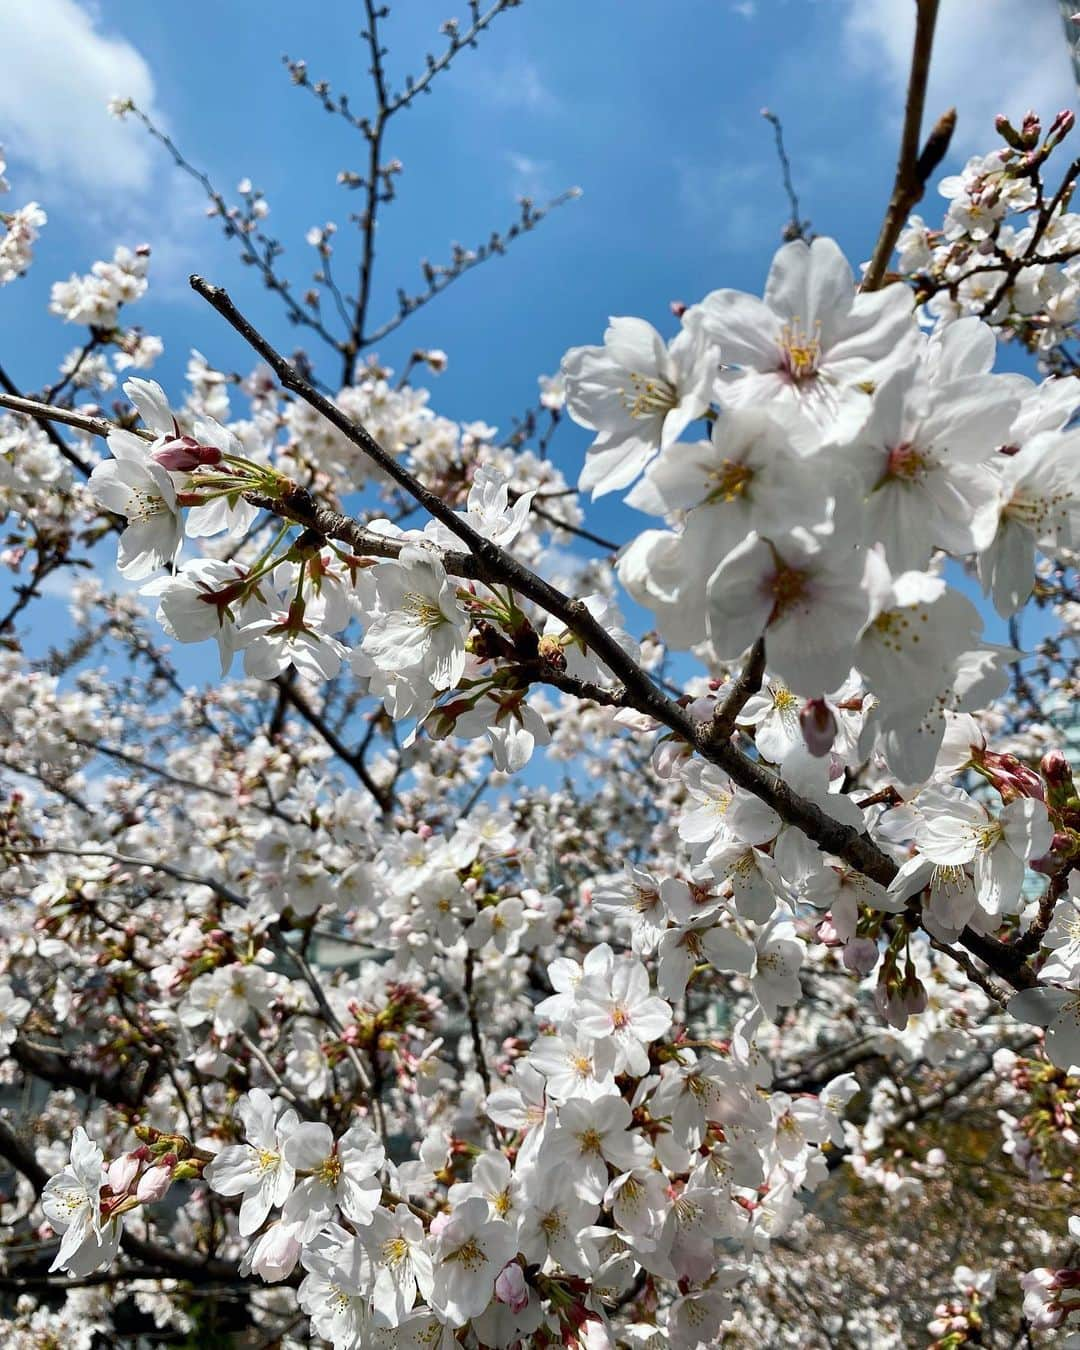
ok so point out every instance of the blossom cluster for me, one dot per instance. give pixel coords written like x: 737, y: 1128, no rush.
x: 441, y: 1067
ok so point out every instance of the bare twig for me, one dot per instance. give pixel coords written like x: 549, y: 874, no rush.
x: 913, y: 169
x: 796, y: 228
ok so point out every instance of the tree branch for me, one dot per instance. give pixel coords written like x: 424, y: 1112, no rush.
x: 913, y: 169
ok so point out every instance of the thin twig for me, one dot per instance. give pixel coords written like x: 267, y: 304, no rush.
x: 913, y: 169
x: 796, y: 228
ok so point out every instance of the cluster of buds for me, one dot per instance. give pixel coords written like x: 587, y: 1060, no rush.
x: 1026, y: 139
x: 899, y: 995
x: 139, y: 1178
x: 1011, y: 777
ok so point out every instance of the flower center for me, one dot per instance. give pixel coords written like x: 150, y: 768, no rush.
x: 788, y: 589
x: 907, y: 463
x: 783, y: 699
x: 423, y: 609
x: 590, y: 1141
x: 143, y: 505
x: 990, y: 835
x: 800, y: 352
x: 949, y: 877
x: 731, y: 480
x: 648, y: 396
x: 470, y: 1254
x: 329, y: 1170
x: 395, y: 1251
x: 893, y: 626
x: 645, y: 899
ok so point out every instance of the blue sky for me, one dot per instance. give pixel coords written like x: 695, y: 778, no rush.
x: 652, y: 109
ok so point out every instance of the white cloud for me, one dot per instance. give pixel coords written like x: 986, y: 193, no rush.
x: 529, y: 177
x: 513, y: 84
x: 59, y: 70
x: 990, y: 56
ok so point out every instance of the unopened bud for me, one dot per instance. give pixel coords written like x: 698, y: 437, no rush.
x: 1055, y: 768
x: 1030, y: 129
x: 154, y: 1183
x: 121, y: 1172
x: 511, y: 1289
x: 183, y: 454
x: 1060, y: 127
x: 913, y: 993
x: 861, y: 955
x: 1011, y: 776
x: 1008, y: 132
x: 818, y: 726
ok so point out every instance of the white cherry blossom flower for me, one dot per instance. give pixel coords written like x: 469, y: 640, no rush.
x: 1037, y: 506
x: 956, y: 829
x: 398, y: 1250
x: 637, y: 394
x: 814, y: 341
x: 804, y: 593
x: 1058, y: 1010
x: 618, y: 1005
x: 256, y: 1170
x: 775, y: 977
x: 71, y: 1202
x: 341, y: 1174
x: 422, y: 626
x: 13, y: 1010
x: 920, y: 459
x: 591, y: 1135
x: 135, y: 487
x: 469, y: 1252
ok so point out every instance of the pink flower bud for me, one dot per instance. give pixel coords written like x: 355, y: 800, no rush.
x: 1055, y: 768
x: 861, y: 955
x: 182, y: 454
x: 913, y: 993
x: 510, y: 1287
x: 818, y: 726
x: 153, y: 1184
x: 122, y: 1171
x: 1012, y: 777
